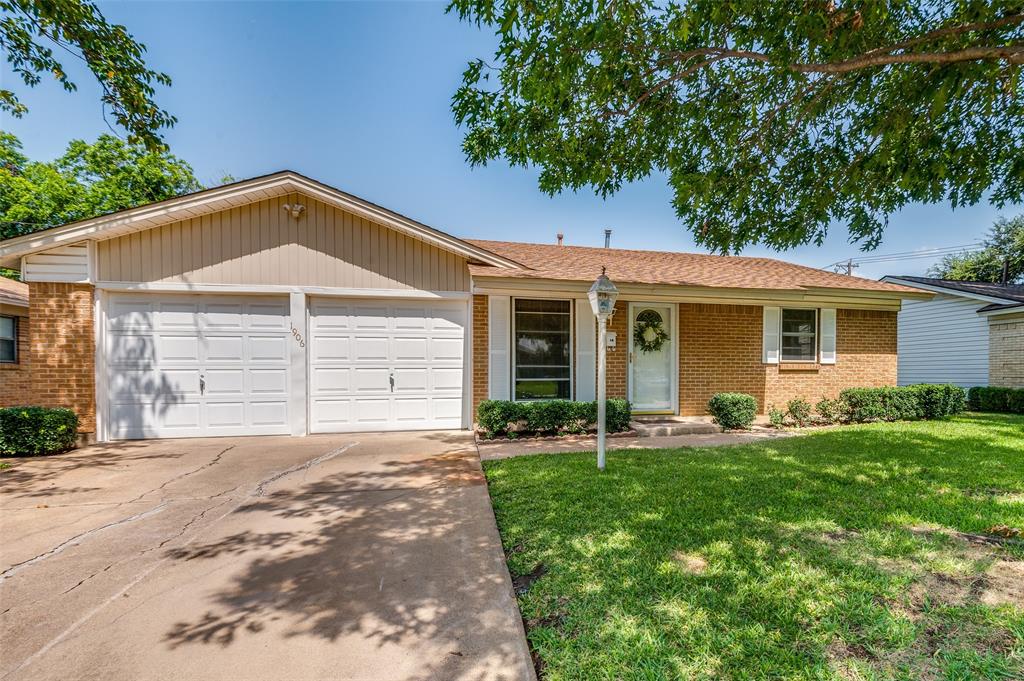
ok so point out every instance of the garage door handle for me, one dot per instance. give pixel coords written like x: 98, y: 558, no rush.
x: 391, y: 379
x: 202, y: 385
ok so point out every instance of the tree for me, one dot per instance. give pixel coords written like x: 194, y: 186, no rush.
x: 88, y: 180
x: 31, y: 29
x: 1005, y: 241
x: 771, y: 120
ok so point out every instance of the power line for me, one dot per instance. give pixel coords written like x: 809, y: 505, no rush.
x: 850, y: 263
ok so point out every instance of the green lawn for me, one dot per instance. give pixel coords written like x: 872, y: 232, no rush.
x: 834, y: 555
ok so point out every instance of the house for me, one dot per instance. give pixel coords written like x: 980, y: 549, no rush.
x: 280, y: 305
x: 971, y: 333
x: 14, y: 351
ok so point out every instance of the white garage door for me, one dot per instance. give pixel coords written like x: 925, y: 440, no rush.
x: 196, y: 365
x: 386, y: 365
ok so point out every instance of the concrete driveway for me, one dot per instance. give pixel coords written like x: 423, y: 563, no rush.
x: 369, y: 556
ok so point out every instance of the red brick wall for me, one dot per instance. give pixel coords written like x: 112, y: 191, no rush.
x: 480, y: 352
x: 14, y: 378
x: 719, y: 351
x: 616, y: 360
x: 62, y: 354
x: 865, y: 357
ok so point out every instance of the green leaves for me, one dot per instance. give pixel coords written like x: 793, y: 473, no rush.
x: 88, y: 180
x: 28, y: 29
x: 772, y: 121
x: 1005, y: 242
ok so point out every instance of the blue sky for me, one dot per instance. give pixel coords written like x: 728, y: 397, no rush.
x: 357, y: 95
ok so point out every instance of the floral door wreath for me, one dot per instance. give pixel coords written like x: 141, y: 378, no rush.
x: 649, y: 333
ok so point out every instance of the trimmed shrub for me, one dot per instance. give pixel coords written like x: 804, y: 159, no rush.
x: 936, y: 400
x: 29, y: 431
x: 497, y: 417
x: 617, y: 415
x: 733, y: 411
x: 830, y: 411
x: 997, y: 399
x: 862, y: 404
x: 505, y: 417
x: 799, y: 410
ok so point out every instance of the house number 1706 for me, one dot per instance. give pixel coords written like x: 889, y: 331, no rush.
x: 298, y: 337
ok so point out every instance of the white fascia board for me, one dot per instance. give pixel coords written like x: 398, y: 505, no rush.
x: 263, y: 289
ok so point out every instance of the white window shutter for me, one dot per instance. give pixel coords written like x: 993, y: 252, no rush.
x: 770, y: 341
x: 828, y: 336
x: 586, y: 346
x: 498, y: 336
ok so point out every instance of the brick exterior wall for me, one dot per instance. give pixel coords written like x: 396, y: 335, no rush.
x: 865, y: 358
x: 61, y: 349
x: 616, y: 360
x: 480, y: 352
x: 719, y: 351
x: 14, y: 378
x: 1006, y: 352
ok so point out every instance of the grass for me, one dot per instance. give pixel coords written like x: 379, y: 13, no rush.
x: 834, y: 555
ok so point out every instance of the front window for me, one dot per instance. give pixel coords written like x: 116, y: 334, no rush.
x: 799, y: 335
x: 543, y: 347
x: 8, y: 340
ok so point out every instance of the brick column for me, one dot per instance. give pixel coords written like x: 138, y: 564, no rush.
x: 62, y: 349
x: 481, y: 355
x: 616, y: 365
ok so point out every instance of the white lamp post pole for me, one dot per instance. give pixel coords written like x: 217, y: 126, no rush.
x: 602, y: 301
x: 602, y: 347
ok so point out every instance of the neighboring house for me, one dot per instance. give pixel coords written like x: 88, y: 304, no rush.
x: 279, y: 305
x: 14, y: 351
x: 971, y: 333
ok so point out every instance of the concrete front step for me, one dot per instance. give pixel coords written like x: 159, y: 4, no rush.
x: 669, y: 427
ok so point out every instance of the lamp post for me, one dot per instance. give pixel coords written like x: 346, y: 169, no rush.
x: 602, y: 301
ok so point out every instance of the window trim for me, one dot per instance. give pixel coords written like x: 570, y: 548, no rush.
x: 817, y: 336
x: 14, y: 328
x: 514, y: 354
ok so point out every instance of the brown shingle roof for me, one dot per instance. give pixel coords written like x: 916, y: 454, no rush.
x: 581, y: 263
x: 13, y: 292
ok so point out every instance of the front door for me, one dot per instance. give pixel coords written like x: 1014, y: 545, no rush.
x: 652, y: 365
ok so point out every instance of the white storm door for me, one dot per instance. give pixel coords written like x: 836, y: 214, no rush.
x: 652, y: 373
x: 386, y: 364
x: 196, y: 365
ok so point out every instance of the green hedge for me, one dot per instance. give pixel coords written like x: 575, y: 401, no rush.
x: 27, y: 431
x: 733, y: 411
x: 502, y: 417
x: 991, y: 398
x: 922, y: 401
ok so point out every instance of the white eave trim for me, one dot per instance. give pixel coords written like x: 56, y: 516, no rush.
x: 1012, y: 308
x: 204, y: 202
x: 948, y: 291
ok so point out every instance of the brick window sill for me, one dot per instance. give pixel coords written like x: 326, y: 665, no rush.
x: 799, y: 366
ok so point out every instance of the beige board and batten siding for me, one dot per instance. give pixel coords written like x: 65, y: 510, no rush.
x: 261, y: 244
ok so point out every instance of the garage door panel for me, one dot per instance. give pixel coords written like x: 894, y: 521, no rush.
x: 268, y: 348
x: 263, y: 381
x: 270, y: 413
x: 371, y: 380
x: 357, y: 348
x: 177, y: 348
x: 410, y: 349
x: 447, y: 409
x: 369, y: 349
x: 446, y: 350
x: 331, y: 349
x: 449, y: 380
x: 326, y: 380
x: 220, y: 382
x: 158, y: 345
x: 130, y: 349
